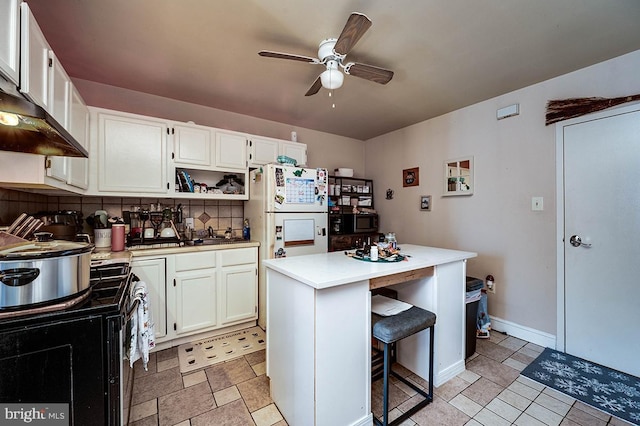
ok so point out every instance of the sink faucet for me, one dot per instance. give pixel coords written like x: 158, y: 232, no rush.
x: 211, y: 232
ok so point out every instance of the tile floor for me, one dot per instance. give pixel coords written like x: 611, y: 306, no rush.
x: 490, y: 392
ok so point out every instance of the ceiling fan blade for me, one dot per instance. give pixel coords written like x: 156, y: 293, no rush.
x: 353, y: 30
x: 278, y: 55
x: 315, y: 87
x: 369, y: 72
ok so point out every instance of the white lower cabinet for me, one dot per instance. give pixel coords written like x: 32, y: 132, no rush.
x: 153, y: 272
x: 198, y: 292
x: 238, y: 285
x: 195, y: 283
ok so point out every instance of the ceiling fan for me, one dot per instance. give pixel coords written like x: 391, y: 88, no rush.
x: 332, y: 53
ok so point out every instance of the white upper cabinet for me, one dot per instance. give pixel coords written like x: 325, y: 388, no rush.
x: 192, y: 145
x: 78, y: 119
x: 34, y: 60
x: 263, y: 151
x: 295, y: 150
x: 132, y: 154
x: 59, y: 109
x: 266, y: 150
x: 231, y: 150
x: 10, y: 39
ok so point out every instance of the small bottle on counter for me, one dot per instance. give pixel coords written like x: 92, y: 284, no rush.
x: 117, y: 237
x: 246, y: 230
x: 374, y: 253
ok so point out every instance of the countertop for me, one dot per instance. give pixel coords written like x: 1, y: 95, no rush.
x: 157, y: 251
x: 324, y: 270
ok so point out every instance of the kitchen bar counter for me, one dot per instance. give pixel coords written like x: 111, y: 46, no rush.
x: 319, y: 328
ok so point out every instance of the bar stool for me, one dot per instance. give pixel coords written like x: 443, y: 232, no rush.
x: 389, y: 330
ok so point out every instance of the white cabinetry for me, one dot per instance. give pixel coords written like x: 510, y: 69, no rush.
x: 266, y: 150
x: 231, y: 151
x: 44, y: 81
x: 192, y: 145
x: 34, y: 60
x: 78, y: 174
x: 295, y: 150
x: 199, y: 292
x: 132, y: 154
x: 238, y: 285
x: 10, y: 39
x: 195, y: 283
x: 152, y: 271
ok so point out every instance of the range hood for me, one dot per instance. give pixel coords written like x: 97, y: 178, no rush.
x: 27, y: 127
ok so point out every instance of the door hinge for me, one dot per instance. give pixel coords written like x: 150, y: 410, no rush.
x: 47, y: 163
x: 50, y: 62
x: 168, y: 185
x: 175, y: 326
x: 171, y: 131
x: 173, y: 155
x: 174, y: 282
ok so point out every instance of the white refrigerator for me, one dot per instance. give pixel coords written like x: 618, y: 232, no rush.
x: 287, y: 212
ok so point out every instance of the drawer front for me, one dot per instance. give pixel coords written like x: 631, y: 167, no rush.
x: 190, y: 261
x: 238, y: 256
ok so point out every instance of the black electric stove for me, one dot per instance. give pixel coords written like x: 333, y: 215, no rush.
x: 69, y: 352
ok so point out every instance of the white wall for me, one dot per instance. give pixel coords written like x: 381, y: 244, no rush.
x: 514, y: 160
x: 323, y: 149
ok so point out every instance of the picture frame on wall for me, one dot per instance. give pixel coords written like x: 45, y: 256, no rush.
x: 411, y: 177
x: 425, y: 202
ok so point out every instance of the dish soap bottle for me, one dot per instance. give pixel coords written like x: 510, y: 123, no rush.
x: 246, y: 230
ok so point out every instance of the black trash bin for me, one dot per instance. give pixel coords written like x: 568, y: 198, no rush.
x: 474, y: 286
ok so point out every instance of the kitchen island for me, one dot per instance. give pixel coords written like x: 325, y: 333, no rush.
x: 319, y: 328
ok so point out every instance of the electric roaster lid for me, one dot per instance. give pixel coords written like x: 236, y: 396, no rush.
x: 32, y: 250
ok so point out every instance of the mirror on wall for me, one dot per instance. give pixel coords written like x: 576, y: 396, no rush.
x: 458, y: 176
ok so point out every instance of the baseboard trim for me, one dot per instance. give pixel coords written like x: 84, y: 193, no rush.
x: 439, y: 378
x: 538, y: 337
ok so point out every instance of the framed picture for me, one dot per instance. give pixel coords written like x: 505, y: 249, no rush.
x: 425, y: 202
x: 411, y: 177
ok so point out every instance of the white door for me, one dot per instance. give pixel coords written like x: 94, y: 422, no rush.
x: 602, y: 208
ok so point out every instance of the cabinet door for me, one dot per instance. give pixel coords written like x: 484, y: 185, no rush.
x: 34, y: 57
x: 132, y: 155
x: 10, y: 39
x: 153, y: 273
x: 231, y: 151
x: 78, y: 168
x: 195, y: 300
x: 238, y: 293
x: 263, y: 151
x: 59, y: 109
x: 295, y: 150
x: 192, y: 145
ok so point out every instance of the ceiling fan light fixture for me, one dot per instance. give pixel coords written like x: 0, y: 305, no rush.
x: 331, y: 79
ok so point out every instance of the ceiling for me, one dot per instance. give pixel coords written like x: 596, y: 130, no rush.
x: 445, y: 54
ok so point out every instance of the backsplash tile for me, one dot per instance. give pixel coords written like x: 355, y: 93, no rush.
x: 222, y: 213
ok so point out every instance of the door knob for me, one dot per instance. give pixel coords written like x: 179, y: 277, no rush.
x: 576, y: 241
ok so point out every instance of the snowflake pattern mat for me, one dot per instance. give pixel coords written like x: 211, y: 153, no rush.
x: 611, y: 391
x: 206, y: 352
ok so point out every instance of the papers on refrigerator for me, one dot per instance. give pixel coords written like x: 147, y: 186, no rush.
x: 385, y: 306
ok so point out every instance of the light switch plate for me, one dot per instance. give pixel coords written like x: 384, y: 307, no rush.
x: 537, y: 204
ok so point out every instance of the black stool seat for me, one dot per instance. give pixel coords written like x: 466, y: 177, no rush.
x: 390, y: 330
x: 396, y: 327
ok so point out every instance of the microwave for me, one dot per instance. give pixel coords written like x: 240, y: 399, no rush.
x: 356, y: 223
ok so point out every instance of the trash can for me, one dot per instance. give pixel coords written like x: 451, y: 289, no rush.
x: 472, y: 299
